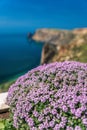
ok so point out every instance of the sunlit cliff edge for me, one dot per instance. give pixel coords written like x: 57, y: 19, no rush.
x: 61, y: 45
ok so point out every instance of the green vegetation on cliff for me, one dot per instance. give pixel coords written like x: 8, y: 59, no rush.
x: 63, y: 45
x: 5, y: 85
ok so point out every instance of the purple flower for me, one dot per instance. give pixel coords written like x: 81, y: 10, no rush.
x: 56, y: 127
x: 30, y: 122
x: 51, y: 96
x: 78, y: 128
x: 85, y: 121
x: 69, y: 128
x: 51, y: 124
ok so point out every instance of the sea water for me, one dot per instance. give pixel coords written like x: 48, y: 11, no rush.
x: 18, y: 55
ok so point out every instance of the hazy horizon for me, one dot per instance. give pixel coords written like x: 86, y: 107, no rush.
x: 23, y: 16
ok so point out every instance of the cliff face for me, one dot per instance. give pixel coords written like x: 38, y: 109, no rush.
x: 53, y: 36
x: 61, y: 45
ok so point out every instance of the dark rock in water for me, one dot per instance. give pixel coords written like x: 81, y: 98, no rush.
x: 29, y: 35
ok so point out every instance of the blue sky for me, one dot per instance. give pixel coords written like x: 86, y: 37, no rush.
x: 25, y: 15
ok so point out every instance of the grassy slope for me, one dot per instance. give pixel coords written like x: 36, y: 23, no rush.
x: 5, y: 86
x: 83, y: 53
x: 1, y: 125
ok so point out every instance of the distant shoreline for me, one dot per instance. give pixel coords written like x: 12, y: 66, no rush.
x: 5, y: 84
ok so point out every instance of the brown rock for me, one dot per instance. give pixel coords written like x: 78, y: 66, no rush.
x: 48, y: 52
x: 61, y: 45
x: 4, y: 115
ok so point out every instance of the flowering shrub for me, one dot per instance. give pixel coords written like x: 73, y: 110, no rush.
x: 51, y: 97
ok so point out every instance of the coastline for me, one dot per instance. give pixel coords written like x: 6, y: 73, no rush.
x: 62, y: 45
x: 23, y: 59
x: 4, y: 86
x: 55, y: 48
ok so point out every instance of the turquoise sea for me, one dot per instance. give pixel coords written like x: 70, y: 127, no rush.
x: 18, y: 55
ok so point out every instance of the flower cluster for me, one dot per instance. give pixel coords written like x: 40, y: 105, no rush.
x: 51, y: 97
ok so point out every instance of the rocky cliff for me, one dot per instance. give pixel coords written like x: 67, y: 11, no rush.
x: 61, y: 45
